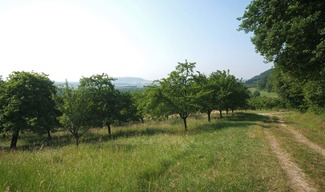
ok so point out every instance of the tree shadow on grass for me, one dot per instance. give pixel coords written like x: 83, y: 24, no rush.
x: 238, y: 120
x: 127, y: 133
x: 250, y: 117
x: 33, y: 142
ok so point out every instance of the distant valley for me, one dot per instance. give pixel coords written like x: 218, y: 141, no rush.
x: 123, y: 82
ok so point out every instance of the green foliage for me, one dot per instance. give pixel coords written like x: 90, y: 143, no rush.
x: 263, y: 102
x: 177, y: 92
x: 206, y: 95
x: 77, y: 110
x: 155, y: 103
x: 110, y: 105
x: 127, y: 108
x: 105, y: 98
x: 27, y: 104
x: 282, y: 34
x: 228, y: 92
x: 254, y: 81
x: 256, y: 93
x: 185, y: 92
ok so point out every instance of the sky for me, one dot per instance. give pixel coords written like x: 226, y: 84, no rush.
x: 69, y: 39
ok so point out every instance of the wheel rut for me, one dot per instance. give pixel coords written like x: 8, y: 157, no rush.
x: 298, y: 179
x: 302, y: 139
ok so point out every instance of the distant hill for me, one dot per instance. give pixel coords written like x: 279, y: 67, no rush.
x: 124, y: 82
x: 252, y: 82
x: 131, y: 81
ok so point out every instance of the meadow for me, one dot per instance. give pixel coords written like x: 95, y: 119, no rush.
x: 230, y: 154
x: 264, y: 93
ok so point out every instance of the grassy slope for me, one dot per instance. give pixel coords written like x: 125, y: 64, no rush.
x: 225, y: 155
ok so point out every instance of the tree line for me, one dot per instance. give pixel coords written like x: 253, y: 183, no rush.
x: 31, y: 102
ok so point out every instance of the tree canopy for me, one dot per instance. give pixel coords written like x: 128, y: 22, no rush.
x: 104, y: 97
x: 77, y: 109
x: 27, y: 104
x: 291, y: 33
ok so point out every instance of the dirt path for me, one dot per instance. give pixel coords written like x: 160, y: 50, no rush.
x: 298, y: 180
x: 302, y: 139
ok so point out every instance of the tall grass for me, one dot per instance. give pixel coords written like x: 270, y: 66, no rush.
x: 231, y: 154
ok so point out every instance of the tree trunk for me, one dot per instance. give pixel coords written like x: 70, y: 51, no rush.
x: 49, y: 135
x: 220, y: 113
x: 109, y: 129
x: 14, y: 139
x: 77, y: 140
x: 227, y: 111
x: 185, y: 124
x: 209, y: 116
x: 76, y: 136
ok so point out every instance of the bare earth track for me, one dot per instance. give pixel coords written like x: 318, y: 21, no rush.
x: 297, y: 178
x: 302, y: 139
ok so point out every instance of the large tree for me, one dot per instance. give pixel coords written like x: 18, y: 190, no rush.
x: 291, y: 33
x: 27, y: 104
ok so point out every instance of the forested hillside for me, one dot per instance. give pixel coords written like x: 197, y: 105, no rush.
x: 253, y: 82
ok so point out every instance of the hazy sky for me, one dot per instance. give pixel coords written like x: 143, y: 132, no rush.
x: 69, y: 39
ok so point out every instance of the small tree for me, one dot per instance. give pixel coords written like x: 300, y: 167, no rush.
x: 155, y: 103
x: 138, y: 98
x: 222, y: 84
x: 104, y: 97
x: 178, y: 92
x: 238, y: 97
x: 127, y: 109
x: 77, y: 111
x: 206, y: 95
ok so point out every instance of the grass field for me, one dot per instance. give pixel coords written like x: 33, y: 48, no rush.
x: 230, y: 154
x: 264, y: 93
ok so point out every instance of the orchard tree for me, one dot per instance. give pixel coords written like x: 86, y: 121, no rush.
x: 138, y: 98
x: 155, y: 103
x: 127, y: 109
x: 223, y: 85
x: 206, y: 95
x: 105, y: 97
x: 178, y: 91
x: 220, y: 91
x: 239, y: 96
x: 1, y: 104
x: 77, y: 110
x: 27, y: 103
x: 291, y: 34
